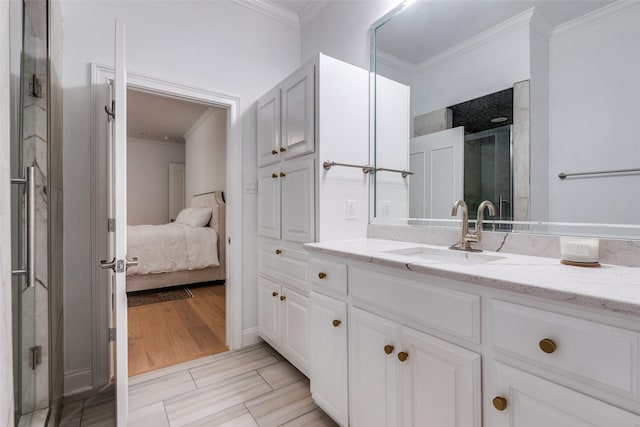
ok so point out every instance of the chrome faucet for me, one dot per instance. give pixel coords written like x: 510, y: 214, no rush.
x: 467, y: 237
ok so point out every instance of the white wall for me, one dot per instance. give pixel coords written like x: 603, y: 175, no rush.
x: 341, y: 30
x: 219, y: 46
x: 206, y: 153
x: 594, y: 95
x: 148, y: 179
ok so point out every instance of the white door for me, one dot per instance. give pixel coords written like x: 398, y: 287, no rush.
x: 519, y: 399
x: 298, y: 201
x: 177, y: 189
x: 328, y: 356
x: 269, y: 311
x: 438, y: 158
x: 269, y: 202
x: 373, y: 370
x: 295, y: 332
x: 269, y: 128
x: 440, y: 383
x: 298, y: 110
x: 118, y: 227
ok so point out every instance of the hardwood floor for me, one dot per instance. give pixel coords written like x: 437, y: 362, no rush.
x: 167, y: 333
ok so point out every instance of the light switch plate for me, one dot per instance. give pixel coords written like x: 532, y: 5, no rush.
x: 351, y: 209
x: 251, y: 187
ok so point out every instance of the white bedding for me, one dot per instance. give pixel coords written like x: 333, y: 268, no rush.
x: 171, y: 247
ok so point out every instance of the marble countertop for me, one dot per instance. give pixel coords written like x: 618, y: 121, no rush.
x: 610, y: 287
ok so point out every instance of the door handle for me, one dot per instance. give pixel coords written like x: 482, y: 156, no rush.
x: 30, y: 269
x: 104, y: 264
x: 132, y: 262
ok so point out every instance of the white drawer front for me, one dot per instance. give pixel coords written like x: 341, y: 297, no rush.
x: 594, y: 353
x: 456, y: 313
x: 285, y: 264
x: 327, y: 275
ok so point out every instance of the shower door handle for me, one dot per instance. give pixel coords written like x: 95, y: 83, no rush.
x: 30, y: 269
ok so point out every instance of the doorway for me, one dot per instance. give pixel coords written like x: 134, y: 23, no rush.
x: 102, y: 76
x: 176, y: 151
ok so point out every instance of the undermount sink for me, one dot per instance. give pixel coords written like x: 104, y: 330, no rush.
x: 445, y: 255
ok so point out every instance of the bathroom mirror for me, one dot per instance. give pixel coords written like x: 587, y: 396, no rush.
x: 497, y: 100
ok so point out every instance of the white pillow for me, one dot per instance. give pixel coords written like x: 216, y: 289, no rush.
x: 195, y: 217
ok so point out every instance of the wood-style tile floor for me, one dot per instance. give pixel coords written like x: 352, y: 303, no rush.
x: 247, y: 388
x: 166, y: 333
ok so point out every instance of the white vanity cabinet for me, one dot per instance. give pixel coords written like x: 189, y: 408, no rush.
x: 328, y: 358
x: 286, y: 118
x: 427, y: 351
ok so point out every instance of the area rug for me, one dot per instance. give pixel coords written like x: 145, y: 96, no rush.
x: 135, y: 299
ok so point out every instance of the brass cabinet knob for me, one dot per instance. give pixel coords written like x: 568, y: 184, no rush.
x: 278, y: 251
x: 388, y: 349
x: 275, y: 294
x: 403, y: 356
x: 282, y: 298
x: 500, y: 403
x: 274, y: 176
x: 274, y: 152
x: 547, y: 345
x: 282, y: 174
x: 282, y: 149
x: 336, y: 323
x: 322, y: 275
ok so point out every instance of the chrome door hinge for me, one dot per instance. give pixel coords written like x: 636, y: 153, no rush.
x: 112, y: 334
x: 111, y: 225
x: 36, y: 356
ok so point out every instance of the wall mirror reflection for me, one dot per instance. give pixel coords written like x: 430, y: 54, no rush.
x: 494, y: 100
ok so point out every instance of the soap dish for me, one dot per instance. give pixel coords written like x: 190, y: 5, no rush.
x: 580, y: 264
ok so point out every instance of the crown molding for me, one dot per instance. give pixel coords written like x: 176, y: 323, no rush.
x: 311, y: 10
x: 385, y: 57
x: 607, y: 12
x: 541, y: 24
x: 272, y: 10
x: 506, y: 27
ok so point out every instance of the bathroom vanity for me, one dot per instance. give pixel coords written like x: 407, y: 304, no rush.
x: 404, y: 334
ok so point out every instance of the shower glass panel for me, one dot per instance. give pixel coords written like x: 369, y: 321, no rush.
x: 487, y: 172
x: 29, y: 149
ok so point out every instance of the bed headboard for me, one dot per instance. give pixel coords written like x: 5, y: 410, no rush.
x: 215, y: 201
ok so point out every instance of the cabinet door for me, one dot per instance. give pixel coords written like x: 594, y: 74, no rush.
x: 269, y: 128
x: 328, y: 356
x: 532, y: 402
x: 295, y: 329
x: 298, y: 110
x: 298, y: 201
x: 440, y: 383
x: 269, y: 311
x: 373, y: 370
x: 269, y: 202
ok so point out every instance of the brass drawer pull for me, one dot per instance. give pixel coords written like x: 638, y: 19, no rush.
x: 547, y: 345
x: 402, y: 356
x: 274, y: 176
x: 322, y: 275
x: 500, y: 403
x: 282, y: 298
x: 336, y: 323
x: 388, y: 349
x: 282, y: 174
x: 275, y: 294
x: 278, y: 251
x: 274, y: 152
x: 282, y: 149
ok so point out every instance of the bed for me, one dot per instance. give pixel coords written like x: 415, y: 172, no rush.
x: 189, y: 264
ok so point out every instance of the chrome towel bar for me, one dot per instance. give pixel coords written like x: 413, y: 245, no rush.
x: 563, y: 175
x: 365, y: 168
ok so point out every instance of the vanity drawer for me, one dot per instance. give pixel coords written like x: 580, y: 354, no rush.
x: 328, y: 275
x: 448, y: 310
x: 591, y: 352
x: 285, y: 264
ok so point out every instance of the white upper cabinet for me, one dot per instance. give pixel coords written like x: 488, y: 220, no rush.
x: 269, y: 128
x: 298, y: 111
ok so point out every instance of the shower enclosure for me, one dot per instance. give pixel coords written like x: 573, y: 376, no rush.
x: 36, y: 209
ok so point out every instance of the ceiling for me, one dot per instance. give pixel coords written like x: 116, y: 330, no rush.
x: 429, y: 27
x: 296, y: 6
x: 160, y: 118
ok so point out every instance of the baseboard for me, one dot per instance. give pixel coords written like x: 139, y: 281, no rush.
x: 250, y: 337
x: 78, y: 382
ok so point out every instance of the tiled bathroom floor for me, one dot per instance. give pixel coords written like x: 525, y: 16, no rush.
x: 251, y: 387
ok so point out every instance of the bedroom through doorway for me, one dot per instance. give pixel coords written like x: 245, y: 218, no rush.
x: 176, y: 214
